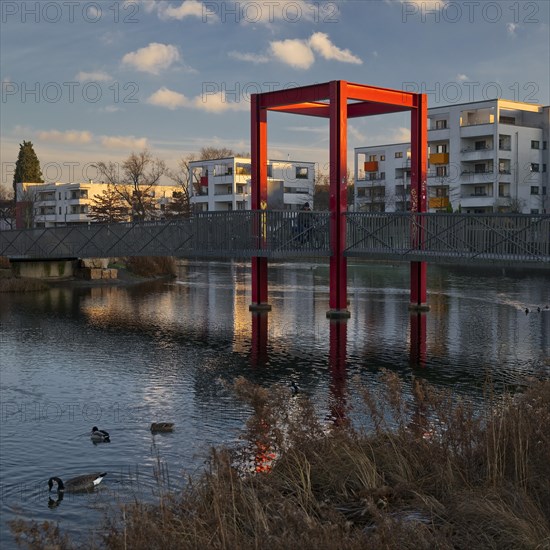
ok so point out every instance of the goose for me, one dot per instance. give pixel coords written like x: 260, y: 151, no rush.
x: 162, y: 426
x: 99, y: 435
x: 80, y: 483
x: 294, y: 388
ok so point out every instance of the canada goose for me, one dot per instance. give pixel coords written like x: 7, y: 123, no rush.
x: 294, y: 388
x: 99, y: 435
x: 80, y: 483
x: 162, y: 427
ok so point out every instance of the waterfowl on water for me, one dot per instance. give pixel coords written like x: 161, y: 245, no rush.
x: 294, y: 388
x: 80, y: 483
x: 162, y: 426
x: 99, y: 435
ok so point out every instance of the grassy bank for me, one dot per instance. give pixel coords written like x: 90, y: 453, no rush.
x: 151, y: 266
x: 431, y: 472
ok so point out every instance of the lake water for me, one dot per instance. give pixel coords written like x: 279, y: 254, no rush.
x: 123, y: 357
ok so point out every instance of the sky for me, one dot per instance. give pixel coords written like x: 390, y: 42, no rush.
x: 95, y: 81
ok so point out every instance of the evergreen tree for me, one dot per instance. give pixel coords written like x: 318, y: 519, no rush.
x: 27, y: 167
x: 108, y: 207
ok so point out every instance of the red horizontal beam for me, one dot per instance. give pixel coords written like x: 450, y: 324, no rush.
x: 293, y: 96
x: 370, y: 109
x: 380, y: 95
x: 309, y: 109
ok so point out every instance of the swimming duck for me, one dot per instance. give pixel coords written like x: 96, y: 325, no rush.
x: 162, y: 426
x: 99, y: 435
x: 80, y: 483
x: 294, y: 388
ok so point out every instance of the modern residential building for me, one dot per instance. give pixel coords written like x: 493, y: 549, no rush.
x: 483, y: 157
x: 54, y: 204
x: 224, y: 184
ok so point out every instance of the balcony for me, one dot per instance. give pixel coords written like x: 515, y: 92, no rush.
x: 439, y: 158
x: 470, y: 153
x: 477, y: 130
x: 438, y: 202
x: 371, y: 166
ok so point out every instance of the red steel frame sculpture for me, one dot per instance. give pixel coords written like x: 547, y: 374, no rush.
x: 339, y: 100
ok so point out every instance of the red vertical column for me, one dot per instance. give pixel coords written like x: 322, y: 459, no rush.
x: 338, y: 200
x: 258, y: 142
x: 417, y: 351
x: 419, y: 153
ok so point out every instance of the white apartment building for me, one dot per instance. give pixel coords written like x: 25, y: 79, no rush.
x: 224, y: 184
x: 483, y: 157
x: 55, y: 204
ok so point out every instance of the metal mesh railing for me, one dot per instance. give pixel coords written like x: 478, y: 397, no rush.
x: 458, y: 238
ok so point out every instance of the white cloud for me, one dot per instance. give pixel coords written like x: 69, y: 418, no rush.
x: 217, y: 103
x: 321, y: 43
x: 401, y: 135
x: 293, y: 52
x: 462, y: 77
x: 188, y: 8
x: 299, y: 53
x: 511, y: 29
x: 211, y: 102
x: 67, y: 136
x: 124, y: 142
x: 164, y: 97
x: 152, y: 58
x: 96, y: 76
x: 289, y: 11
x: 249, y: 57
x: 356, y: 134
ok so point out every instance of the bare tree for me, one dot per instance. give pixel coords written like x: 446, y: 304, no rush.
x: 108, y: 207
x: 135, y: 181
x: 183, y: 177
x: 7, y: 208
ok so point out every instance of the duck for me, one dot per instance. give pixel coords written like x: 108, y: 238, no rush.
x: 99, y: 435
x: 294, y: 388
x: 162, y: 427
x: 80, y: 483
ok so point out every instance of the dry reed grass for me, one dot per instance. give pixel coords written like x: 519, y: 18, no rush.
x: 21, y: 284
x: 152, y: 266
x: 433, y: 472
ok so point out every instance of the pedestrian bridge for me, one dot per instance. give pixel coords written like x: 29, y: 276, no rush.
x: 505, y: 239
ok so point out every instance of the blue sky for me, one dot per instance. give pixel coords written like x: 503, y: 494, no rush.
x: 89, y: 81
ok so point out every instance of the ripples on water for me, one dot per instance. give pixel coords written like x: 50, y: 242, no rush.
x: 121, y: 358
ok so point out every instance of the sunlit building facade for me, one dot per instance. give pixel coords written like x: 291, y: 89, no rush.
x: 224, y: 184
x: 483, y: 157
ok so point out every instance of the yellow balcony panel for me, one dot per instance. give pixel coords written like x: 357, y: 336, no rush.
x: 439, y: 202
x: 439, y: 158
x: 371, y: 166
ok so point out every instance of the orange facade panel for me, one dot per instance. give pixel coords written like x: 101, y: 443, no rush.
x: 439, y: 158
x: 371, y: 166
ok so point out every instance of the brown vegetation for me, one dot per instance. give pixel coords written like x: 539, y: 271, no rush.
x: 21, y: 284
x: 152, y: 266
x: 432, y: 471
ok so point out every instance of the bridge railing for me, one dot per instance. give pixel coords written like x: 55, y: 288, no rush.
x: 458, y: 238
x: 463, y: 238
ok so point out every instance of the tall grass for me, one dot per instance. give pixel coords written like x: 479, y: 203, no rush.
x: 152, y: 266
x: 432, y: 471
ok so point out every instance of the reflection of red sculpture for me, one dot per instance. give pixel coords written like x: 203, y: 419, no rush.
x: 264, y: 455
x: 337, y: 361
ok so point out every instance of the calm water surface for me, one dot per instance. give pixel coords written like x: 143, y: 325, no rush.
x: 123, y: 357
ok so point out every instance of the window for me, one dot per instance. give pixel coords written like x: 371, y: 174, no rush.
x: 441, y: 171
x: 534, y: 167
x: 479, y: 191
x: 382, y: 157
x: 372, y: 158
x: 60, y: 210
x: 440, y: 124
x: 507, y: 119
x: 544, y: 167
x: 535, y: 144
x: 441, y: 192
x: 382, y: 175
x: 302, y: 172
x: 398, y: 155
x: 480, y: 145
x: 534, y: 190
x: 534, y: 211
x: 441, y: 148
x: 479, y: 168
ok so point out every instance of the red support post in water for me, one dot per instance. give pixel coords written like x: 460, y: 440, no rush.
x: 419, y: 154
x: 338, y: 200
x: 259, y: 202
x: 337, y: 363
